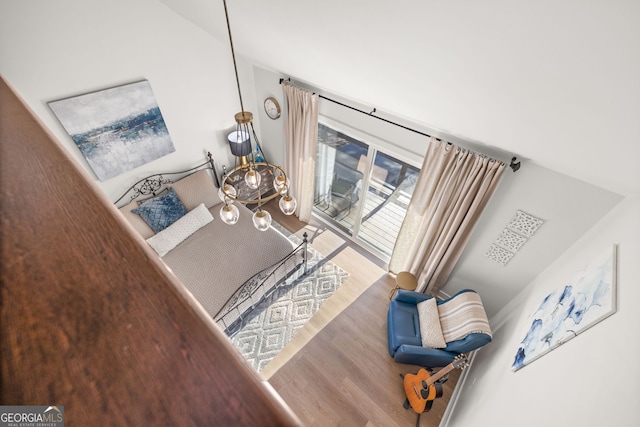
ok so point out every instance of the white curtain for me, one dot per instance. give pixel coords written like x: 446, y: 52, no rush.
x: 301, y: 140
x: 453, y: 188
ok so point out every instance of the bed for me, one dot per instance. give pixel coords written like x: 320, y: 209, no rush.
x: 229, y: 269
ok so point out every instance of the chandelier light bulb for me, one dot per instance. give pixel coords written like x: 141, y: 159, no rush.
x: 227, y: 193
x: 288, y: 204
x: 281, y: 184
x: 229, y: 214
x: 252, y: 178
x: 262, y: 220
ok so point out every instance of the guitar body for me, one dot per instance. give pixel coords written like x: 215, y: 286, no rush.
x: 420, y: 393
x: 423, y: 388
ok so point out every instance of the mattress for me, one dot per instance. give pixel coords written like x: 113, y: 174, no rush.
x: 216, y: 260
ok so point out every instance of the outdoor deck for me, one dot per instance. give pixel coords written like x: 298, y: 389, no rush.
x: 362, y: 190
x: 383, y: 213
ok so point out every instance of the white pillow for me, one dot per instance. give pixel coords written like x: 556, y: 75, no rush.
x: 430, y: 329
x: 172, y: 236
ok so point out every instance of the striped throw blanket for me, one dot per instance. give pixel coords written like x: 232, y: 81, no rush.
x: 462, y: 316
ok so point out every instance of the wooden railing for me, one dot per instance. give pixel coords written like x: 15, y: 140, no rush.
x: 90, y: 318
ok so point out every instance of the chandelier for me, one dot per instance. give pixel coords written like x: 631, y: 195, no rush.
x: 253, y: 180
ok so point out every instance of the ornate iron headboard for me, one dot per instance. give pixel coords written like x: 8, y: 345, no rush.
x: 153, y: 184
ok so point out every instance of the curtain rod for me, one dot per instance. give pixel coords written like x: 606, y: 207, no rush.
x: 368, y: 114
x: 513, y: 165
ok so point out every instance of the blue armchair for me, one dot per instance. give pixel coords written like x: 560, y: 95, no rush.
x: 405, y: 342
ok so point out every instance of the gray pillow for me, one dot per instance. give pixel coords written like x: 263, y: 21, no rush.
x: 195, y: 189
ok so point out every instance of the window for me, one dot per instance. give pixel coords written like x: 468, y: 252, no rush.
x: 362, y: 189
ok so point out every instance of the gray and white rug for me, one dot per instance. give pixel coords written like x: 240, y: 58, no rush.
x: 277, y: 319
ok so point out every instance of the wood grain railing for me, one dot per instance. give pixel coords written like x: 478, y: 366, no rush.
x: 89, y: 316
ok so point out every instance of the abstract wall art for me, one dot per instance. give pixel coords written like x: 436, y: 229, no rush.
x: 571, y: 309
x: 116, y: 129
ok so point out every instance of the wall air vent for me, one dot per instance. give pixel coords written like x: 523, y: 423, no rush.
x: 521, y: 227
x: 499, y: 255
x: 510, y: 240
x: 524, y: 224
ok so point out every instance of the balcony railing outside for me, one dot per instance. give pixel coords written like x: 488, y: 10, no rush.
x: 384, y: 209
x: 367, y: 200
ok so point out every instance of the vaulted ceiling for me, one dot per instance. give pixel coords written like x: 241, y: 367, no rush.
x: 554, y: 82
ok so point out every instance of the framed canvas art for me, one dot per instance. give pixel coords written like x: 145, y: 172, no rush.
x: 571, y: 309
x: 116, y: 129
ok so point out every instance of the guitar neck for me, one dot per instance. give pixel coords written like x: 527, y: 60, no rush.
x: 441, y: 373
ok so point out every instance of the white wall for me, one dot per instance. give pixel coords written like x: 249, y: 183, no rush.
x: 69, y: 47
x: 52, y: 50
x: 550, y: 81
x: 568, y: 206
x: 271, y: 132
x: 592, y: 380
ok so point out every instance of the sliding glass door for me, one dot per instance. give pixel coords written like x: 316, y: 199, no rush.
x: 339, y: 177
x: 361, y: 190
x: 391, y: 184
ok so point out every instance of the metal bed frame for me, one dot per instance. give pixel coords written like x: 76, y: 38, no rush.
x: 255, y: 289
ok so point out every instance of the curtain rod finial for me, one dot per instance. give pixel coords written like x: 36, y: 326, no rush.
x: 514, y: 165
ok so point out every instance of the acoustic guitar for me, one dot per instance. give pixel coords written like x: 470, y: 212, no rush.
x: 422, y: 388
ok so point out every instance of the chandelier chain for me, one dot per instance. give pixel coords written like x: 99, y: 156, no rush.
x: 233, y: 55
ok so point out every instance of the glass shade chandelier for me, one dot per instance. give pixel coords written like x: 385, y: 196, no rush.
x: 262, y: 180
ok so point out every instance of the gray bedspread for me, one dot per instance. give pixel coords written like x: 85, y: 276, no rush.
x: 216, y: 260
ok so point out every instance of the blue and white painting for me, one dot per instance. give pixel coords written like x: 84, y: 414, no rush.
x: 571, y: 309
x: 116, y: 129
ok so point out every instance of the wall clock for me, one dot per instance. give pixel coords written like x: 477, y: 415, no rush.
x: 272, y: 108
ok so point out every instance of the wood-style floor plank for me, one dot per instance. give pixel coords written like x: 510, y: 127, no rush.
x: 363, y: 271
x: 337, y: 371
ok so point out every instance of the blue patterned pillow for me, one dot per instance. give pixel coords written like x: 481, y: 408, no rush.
x: 162, y: 211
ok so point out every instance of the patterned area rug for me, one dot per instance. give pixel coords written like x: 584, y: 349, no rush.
x: 277, y: 319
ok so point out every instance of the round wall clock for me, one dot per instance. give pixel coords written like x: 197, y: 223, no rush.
x: 272, y: 108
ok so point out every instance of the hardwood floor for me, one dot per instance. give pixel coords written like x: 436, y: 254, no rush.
x: 337, y: 370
